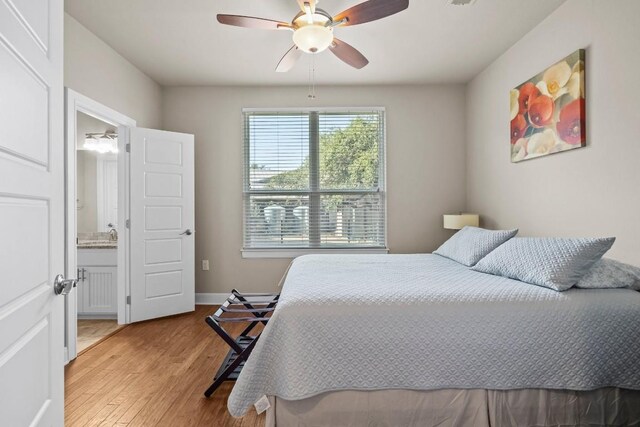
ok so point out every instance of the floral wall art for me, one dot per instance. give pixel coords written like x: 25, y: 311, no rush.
x: 548, y: 111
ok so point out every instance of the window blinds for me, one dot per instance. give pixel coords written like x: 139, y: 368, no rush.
x: 314, y: 179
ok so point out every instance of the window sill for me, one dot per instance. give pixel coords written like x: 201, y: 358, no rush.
x: 293, y: 253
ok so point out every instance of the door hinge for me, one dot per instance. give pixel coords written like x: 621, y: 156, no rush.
x: 127, y: 223
x: 127, y: 148
x: 128, y: 299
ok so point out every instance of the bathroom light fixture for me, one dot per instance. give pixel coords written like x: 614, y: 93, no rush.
x: 106, y: 142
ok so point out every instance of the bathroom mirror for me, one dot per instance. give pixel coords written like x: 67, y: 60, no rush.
x: 97, y: 169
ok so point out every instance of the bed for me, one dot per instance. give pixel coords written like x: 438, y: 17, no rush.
x: 419, y: 333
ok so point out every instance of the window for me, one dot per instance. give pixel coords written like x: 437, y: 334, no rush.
x: 314, y: 180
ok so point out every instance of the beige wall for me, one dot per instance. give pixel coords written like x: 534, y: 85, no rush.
x: 591, y: 191
x: 94, y: 69
x: 425, y: 167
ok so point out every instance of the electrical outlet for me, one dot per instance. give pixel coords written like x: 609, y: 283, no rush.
x: 205, y: 264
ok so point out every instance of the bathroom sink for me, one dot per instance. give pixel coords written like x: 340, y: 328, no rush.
x: 97, y: 244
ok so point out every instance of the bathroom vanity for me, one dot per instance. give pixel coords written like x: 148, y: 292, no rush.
x: 97, y: 279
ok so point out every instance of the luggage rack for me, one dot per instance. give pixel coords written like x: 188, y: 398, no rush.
x: 258, y: 307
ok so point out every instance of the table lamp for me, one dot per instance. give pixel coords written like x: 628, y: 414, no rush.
x: 459, y: 221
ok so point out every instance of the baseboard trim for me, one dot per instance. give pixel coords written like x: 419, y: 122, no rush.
x: 211, y: 298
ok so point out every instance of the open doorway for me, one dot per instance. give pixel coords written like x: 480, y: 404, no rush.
x: 96, y: 230
x: 96, y: 206
x: 130, y: 218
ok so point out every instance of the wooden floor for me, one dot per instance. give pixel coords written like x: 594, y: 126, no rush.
x: 90, y: 331
x: 152, y: 373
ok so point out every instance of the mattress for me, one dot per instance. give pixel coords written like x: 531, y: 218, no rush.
x: 423, y: 322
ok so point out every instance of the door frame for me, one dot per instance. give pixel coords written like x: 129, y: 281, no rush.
x: 74, y: 103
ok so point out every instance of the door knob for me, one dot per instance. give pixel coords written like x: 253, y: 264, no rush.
x: 187, y: 232
x: 62, y: 286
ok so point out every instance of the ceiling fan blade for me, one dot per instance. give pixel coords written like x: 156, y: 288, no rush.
x: 370, y: 10
x: 348, y: 54
x: 312, y: 5
x: 289, y: 60
x: 252, y: 22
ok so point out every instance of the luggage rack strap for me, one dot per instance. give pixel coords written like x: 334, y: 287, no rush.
x: 247, y: 310
x: 234, y: 300
x: 240, y: 319
x: 255, y: 294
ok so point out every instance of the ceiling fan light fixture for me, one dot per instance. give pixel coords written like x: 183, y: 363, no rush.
x: 313, y: 28
x: 313, y: 38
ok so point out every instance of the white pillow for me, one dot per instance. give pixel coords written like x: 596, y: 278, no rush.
x: 553, y: 262
x: 471, y: 244
x: 608, y: 273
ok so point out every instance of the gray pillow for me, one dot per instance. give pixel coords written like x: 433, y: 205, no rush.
x: 608, y: 273
x: 553, y: 262
x: 471, y: 244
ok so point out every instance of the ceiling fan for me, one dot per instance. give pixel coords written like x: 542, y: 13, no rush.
x: 313, y: 29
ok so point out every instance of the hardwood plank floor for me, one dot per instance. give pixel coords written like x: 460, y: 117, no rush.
x: 153, y: 373
x: 90, y: 331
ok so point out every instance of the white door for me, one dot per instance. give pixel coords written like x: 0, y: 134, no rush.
x: 31, y: 213
x: 161, y: 223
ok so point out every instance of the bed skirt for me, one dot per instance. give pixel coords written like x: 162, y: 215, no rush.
x: 476, y: 407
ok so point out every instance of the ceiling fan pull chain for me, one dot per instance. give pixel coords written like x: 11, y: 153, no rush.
x: 313, y: 75
x: 312, y: 78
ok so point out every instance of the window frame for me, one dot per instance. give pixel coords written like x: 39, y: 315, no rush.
x: 314, y: 191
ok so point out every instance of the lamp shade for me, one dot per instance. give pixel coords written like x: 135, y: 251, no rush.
x: 459, y: 221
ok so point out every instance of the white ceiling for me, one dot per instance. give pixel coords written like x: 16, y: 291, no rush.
x: 180, y: 42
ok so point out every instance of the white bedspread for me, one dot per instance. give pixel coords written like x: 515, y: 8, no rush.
x: 370, y: 322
